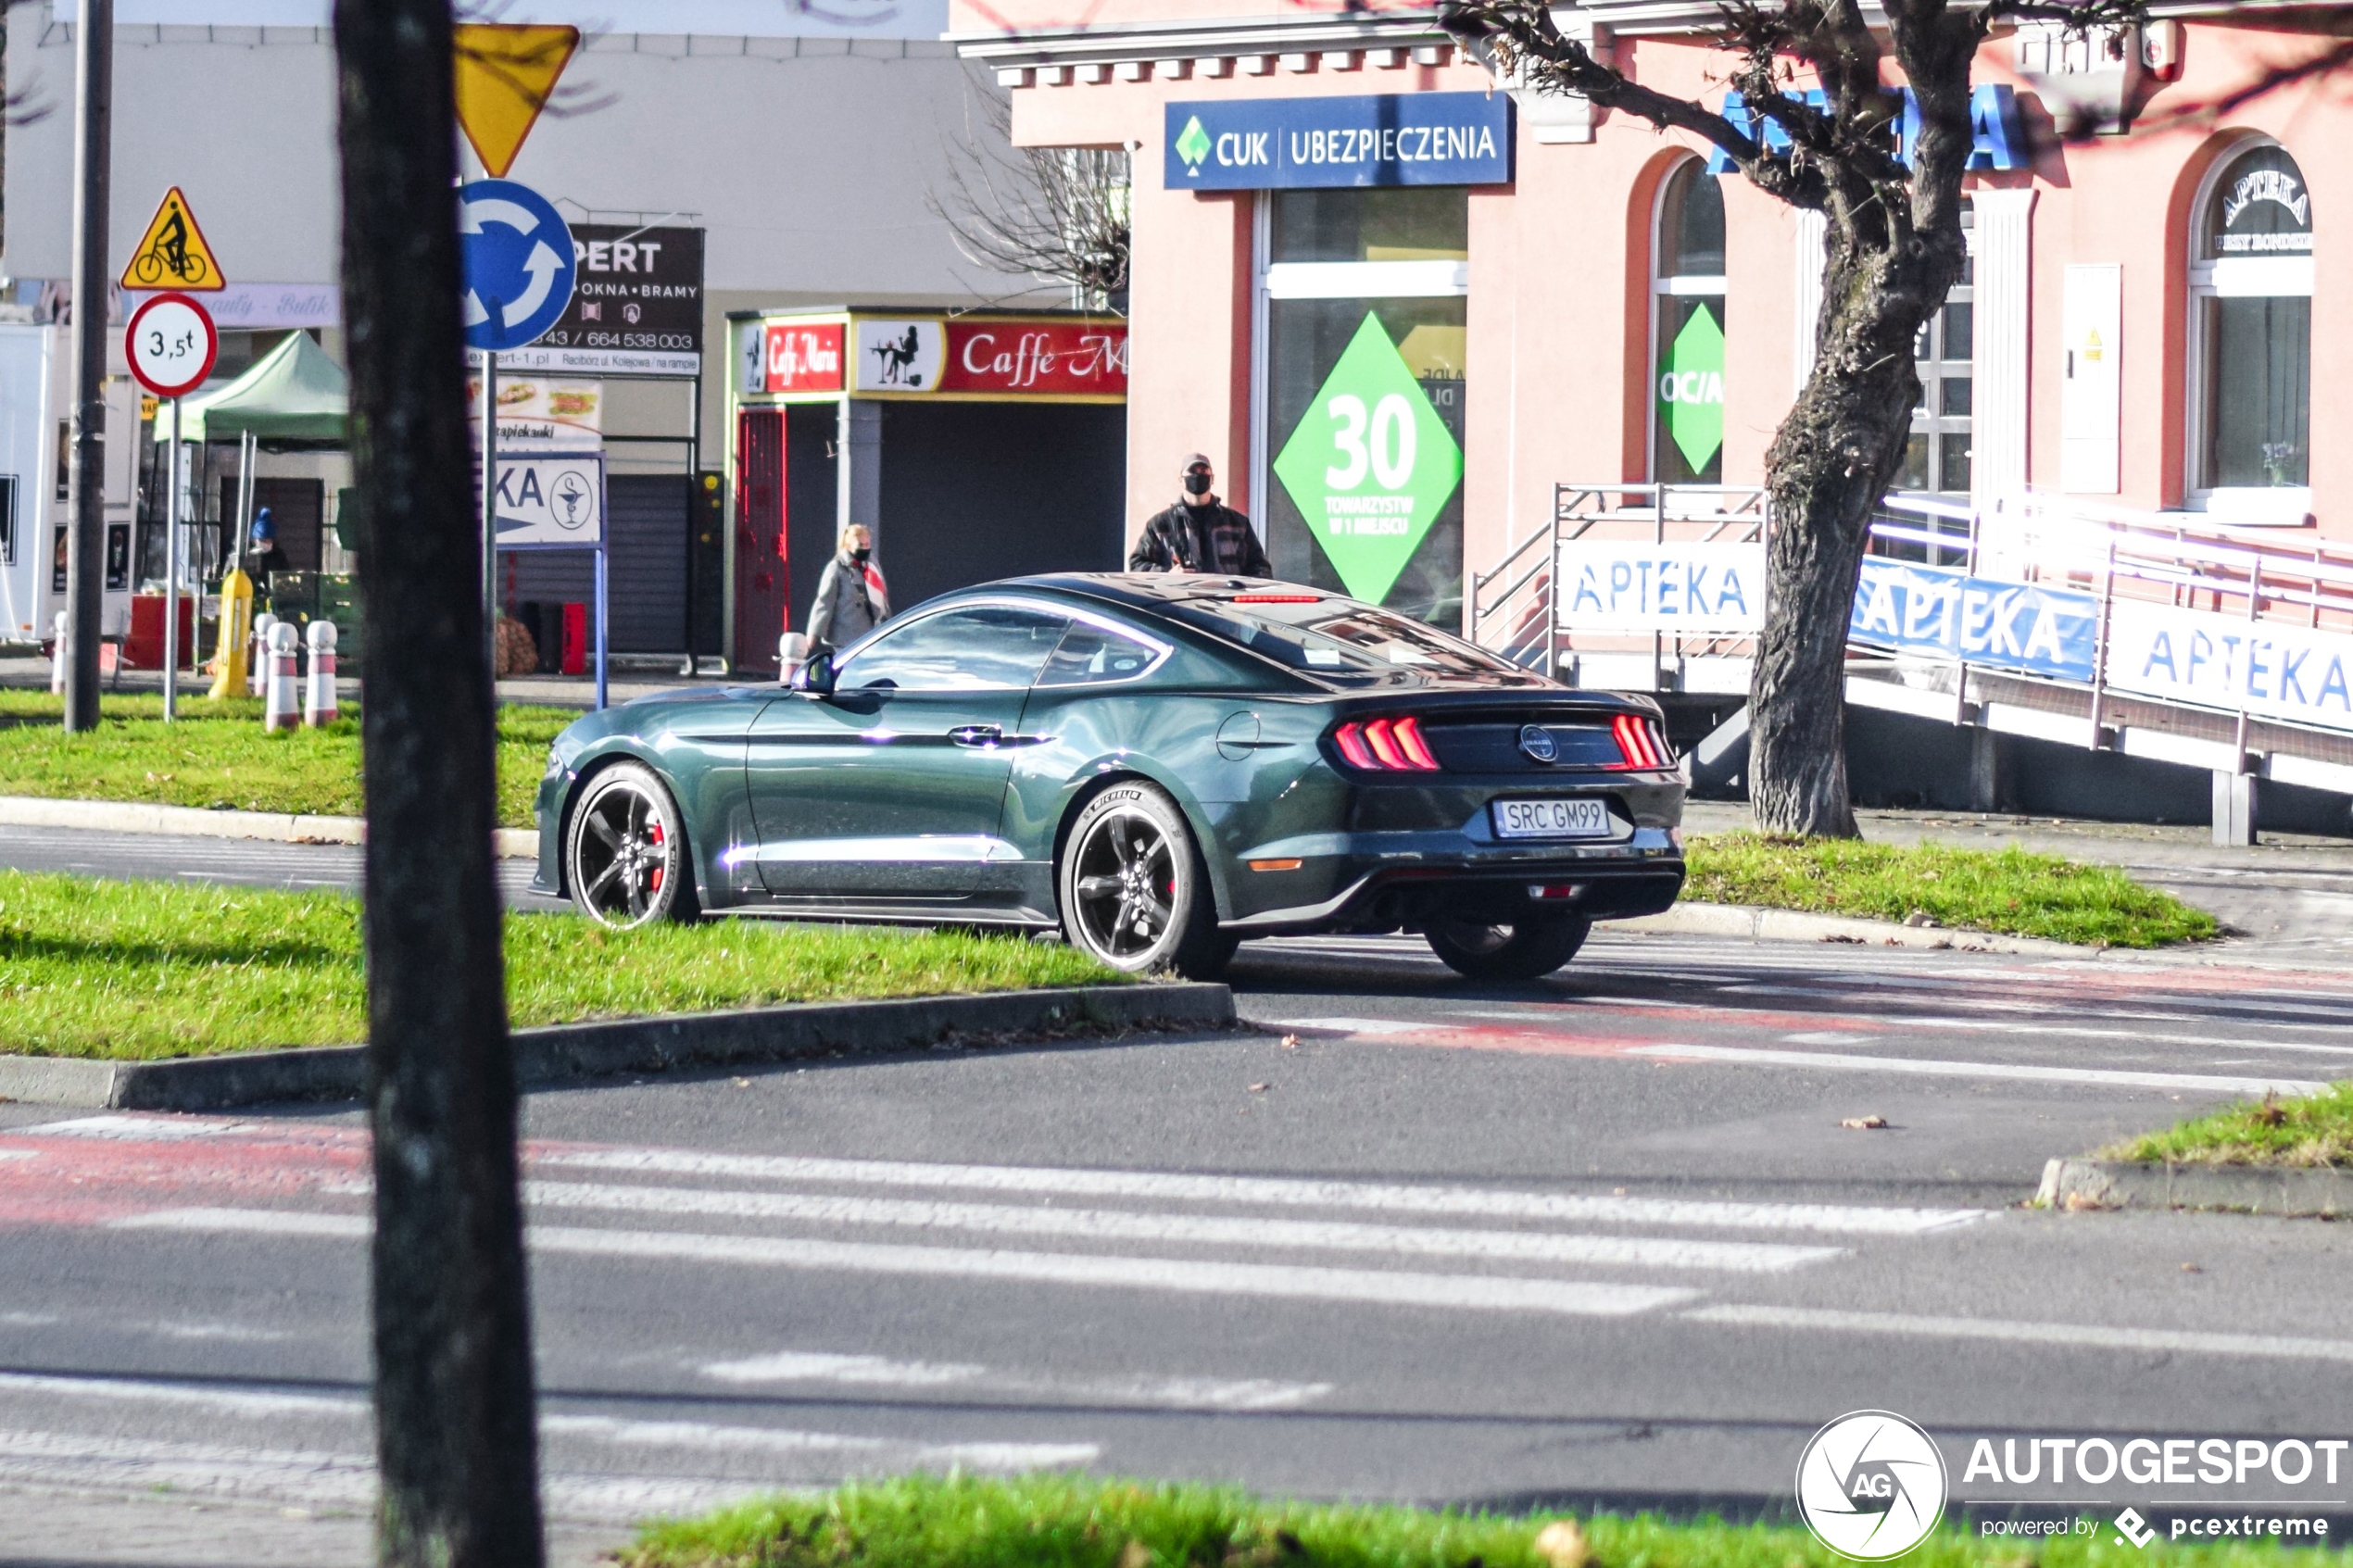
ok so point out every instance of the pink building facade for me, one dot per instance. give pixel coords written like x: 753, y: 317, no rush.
x: 2145, y: 326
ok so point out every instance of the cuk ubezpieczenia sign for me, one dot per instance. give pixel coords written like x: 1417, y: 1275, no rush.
x: 637, y: 306
x: 1376, y: 139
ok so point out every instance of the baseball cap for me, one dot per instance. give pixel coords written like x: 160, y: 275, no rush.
x: 1194, y: 460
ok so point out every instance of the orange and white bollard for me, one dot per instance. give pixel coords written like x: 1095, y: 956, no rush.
x: 319, y: 690
x: 258, y: 662
x: 57, y: 660
x: 284, y: 708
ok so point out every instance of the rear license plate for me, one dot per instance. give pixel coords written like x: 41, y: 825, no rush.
x: 1552, y: 819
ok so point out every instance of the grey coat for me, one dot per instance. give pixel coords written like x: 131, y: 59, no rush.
x: 845, y: 607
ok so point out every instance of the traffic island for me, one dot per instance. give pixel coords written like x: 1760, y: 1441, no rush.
x: 216, y: 757
x: 1943, y: 895
x: 1064, y: 1520
x: 158, y: 996
x: 2284, y: 1157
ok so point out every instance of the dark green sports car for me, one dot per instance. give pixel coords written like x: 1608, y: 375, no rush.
x: 1159, y: 767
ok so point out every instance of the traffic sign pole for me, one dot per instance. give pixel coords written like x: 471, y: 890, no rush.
x: 490, y: 510
x: 171, y: 579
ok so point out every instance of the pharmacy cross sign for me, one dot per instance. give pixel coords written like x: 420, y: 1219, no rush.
x: 1371, y: 465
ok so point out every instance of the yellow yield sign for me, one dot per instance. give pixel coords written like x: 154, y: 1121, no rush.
x: 172, y: 252
x: 505, y: 77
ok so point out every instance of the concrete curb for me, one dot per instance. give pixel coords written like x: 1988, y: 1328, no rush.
x: 570, y: 1052
x: 2291, y: 1191
x: 1751, y: 923
x: 191, y: 821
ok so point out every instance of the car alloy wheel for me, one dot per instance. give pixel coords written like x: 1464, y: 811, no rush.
x: 627, y: 861
x: 1134, y: 891
x: 1506, y: 952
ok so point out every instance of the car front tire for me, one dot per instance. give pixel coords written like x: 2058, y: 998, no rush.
x: 626, y: 858
x: 1522, y: 952
x: 1134, y: 890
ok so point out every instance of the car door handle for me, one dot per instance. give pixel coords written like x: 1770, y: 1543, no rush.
x: 976, y: 735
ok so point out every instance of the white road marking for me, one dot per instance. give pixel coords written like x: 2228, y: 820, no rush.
x: 700, y: 1436
x: 1113, y: 1225
x: 199, y: 1470
x: 1180, y: 1275
x: 2023, y: 1072
x: 1272, y: 1190
x: 2138, y: 1038
x: 2087, y: 1335
x: 229, y: 1400
x: 818, y: 1366
x: 138, y: 1129
x: 75, y: 1461
x: 1175, y: 1393
x: 1355, y: 1025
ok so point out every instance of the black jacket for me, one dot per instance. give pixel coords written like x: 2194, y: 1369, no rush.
x: 1214, y: 538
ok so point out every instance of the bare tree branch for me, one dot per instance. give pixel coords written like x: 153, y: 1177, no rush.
x: 1059, y: 213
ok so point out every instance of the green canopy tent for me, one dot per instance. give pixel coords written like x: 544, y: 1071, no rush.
x: 292, y: 393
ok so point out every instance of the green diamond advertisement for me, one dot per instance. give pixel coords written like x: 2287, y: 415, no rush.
x: 1690, y: 389
x: 1371, y: 464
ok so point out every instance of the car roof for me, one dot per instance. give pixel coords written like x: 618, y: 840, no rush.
x: 1151, y: 590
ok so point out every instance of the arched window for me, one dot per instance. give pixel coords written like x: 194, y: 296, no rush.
x: 1687, y: 303
x: 2251, y: 340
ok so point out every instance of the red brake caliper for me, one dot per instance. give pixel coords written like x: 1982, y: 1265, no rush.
x: 653, y: 831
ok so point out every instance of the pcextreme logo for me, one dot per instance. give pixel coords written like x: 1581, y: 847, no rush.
x: 1872, y: 1485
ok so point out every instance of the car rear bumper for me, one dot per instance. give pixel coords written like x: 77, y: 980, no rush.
x: 1385, y: 881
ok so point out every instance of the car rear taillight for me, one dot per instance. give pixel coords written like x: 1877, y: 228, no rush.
x: 1639, y: 741
x: 1385, y: 746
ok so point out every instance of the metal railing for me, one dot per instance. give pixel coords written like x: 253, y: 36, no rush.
x: 1513, y: 607
x: 2112, y: 554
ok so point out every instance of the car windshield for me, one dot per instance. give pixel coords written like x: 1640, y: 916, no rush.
x: 1339, y: 640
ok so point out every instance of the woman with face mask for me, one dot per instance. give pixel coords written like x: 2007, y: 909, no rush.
x: 852, y: 599
x: 1199, y: 532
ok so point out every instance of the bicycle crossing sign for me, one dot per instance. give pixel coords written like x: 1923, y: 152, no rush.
x: 172, y: 252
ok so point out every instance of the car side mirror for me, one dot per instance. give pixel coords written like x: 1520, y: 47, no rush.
x: 816, y: 674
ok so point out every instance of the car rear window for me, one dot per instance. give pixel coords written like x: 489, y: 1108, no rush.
x: 1341, y: 641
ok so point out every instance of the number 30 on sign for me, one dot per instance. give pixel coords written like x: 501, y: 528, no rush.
x: 171, y: 344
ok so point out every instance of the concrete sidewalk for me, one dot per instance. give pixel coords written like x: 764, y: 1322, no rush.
x: 2289, y: 898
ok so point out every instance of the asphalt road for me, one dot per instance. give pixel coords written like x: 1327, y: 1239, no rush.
x: 1597, y: 1240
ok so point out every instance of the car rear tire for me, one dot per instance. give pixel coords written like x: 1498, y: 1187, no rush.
x: 1134, y: 889
x: 1506, y: 952
x: 626, y: 858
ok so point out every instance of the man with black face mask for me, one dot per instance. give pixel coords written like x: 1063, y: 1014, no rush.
x: 1199, y: 533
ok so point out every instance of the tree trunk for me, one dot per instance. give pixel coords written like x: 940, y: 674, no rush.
x: 1829, y: 465
x: 454, y: 1432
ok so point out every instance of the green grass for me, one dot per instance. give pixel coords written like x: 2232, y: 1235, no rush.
x: 2311, y: 1130
x: 1073, y: 1521
x: 145, y: 970
x: 217, y: 755
x: 2012, y: 893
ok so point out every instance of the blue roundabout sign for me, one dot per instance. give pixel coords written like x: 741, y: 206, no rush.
x: 517, y: 264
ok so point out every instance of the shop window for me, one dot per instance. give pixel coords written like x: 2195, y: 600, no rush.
x: 1687, y: 306
x: 1400, y: 223
x: 1936, y: 458
x: 1364, y: 301
x: 2251, y: 339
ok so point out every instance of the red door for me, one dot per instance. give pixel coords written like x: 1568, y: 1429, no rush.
x: 764, y: 583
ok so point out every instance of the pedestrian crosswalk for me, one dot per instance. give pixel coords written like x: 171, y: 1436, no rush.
x: 720, y: 1422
